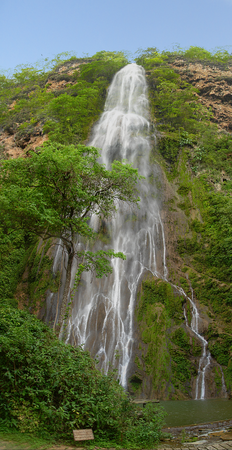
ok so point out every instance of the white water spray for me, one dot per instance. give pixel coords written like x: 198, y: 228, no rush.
x: 204, y: 361
x: 224, y: 390
x: 102, y: 315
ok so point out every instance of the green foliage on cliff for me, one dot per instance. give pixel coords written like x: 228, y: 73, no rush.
x: 61, y: 98
x: 168, y: 354
x: 169, y: 148
x: 182, y: 369
x: 213, y: 234
x: 197, y: 158
x: 12, y: 251
x: 217, y: 297
x: 152, y: 319
x: 181, y: 339
x: 219, y: 55
x: 52, y: 195
x: 173, y: 101
x: 161, y: 292
x: 46, y: 386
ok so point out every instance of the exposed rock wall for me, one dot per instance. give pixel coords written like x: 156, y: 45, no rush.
x: 167, y: 354
x: 214, y: 83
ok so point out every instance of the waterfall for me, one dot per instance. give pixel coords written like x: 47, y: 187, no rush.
x: 103, y: 310
x: 224, y: 390
x: 205, y: 358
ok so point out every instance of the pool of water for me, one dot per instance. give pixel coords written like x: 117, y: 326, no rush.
x: 189, y: 412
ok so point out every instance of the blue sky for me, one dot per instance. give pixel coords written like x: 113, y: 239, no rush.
x: 31, y: 28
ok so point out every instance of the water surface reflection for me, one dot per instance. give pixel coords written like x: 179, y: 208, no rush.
x: 189, y: 412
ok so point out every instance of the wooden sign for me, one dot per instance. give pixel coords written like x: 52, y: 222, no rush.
x: 83, y: 435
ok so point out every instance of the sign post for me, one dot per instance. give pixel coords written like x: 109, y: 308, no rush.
x: 83, y: 435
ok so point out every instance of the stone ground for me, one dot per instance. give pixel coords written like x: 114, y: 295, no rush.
x: 199, y: 445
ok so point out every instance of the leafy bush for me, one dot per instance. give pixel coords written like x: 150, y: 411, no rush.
x: 28, y: 108
x: 147, y: 430
x: 12, y: 251
x: 180, y: 338
x: 155, y: 291
x: 174, y: 102
x: 47, y: 386
x: 66, y: 113
x: 219, y: 55
x: 169, y: 149
x: 198, y: 156
x: 57, y: 384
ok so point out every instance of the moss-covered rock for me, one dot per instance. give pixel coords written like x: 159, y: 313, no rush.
x: 166, y: 360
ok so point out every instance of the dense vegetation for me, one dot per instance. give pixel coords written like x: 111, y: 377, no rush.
x: 48, y: 387
x: 52, y: 195
x: 63, y: 101
x: 64, y: 114
x: 196, y: 155
x: 169, y: 354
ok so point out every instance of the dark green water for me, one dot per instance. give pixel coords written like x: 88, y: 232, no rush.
x: 191, y: 412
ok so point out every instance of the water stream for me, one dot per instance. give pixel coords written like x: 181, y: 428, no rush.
x: 102, y: 315
x: 103, y: 310
x: 205, y: 358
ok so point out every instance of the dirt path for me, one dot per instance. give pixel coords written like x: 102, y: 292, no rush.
x: 200, y: 445
x: 10, y: 445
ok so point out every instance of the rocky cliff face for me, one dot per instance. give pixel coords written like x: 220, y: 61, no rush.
x: 168, y: 353
x: 15, y: 141
x: 213, y: 82
x: 214, y: 85
x: 195, y: 174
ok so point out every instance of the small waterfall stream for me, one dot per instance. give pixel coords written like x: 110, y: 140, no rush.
x: 102, y: 315
x: 205, y: 358
x: 224, y: 390
x: 103, y: 310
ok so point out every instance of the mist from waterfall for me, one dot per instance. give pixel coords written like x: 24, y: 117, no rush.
x: 103, y: 310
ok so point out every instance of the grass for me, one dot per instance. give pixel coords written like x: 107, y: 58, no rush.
x: 15, y: 440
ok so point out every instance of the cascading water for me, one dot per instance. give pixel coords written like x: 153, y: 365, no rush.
x: 224, y: 390
x: 204, y: 361
x: 102, y: 315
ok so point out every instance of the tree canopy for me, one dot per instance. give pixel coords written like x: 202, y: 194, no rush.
x: 54, y: 192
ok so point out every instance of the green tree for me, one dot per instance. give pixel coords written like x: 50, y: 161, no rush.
x: 49, y: 388
x: 53, y: 193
